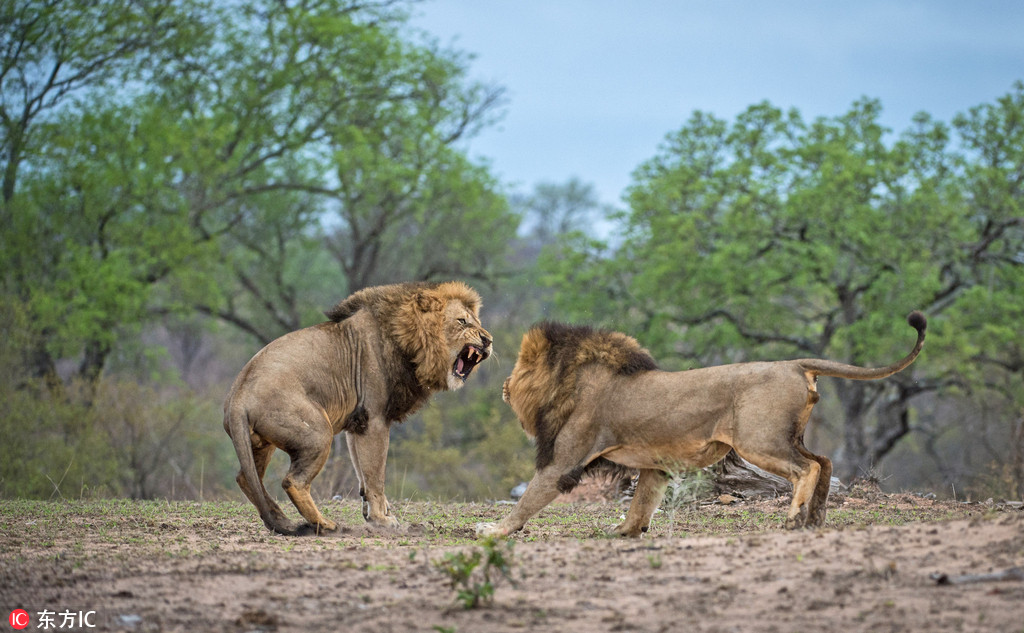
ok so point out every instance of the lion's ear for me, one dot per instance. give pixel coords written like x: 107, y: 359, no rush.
x: 428, y: 302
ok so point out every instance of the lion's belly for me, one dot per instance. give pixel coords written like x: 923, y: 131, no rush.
x: 669, y: 457
x: 670, y: 421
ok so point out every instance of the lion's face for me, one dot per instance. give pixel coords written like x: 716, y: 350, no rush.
x: 469, y: 344
x: 529, y: 381
x: 519, y: 391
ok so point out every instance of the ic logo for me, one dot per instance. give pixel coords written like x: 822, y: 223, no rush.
x: 19, y: 619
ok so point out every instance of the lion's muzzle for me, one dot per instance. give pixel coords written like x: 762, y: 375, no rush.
x: 468, y: 359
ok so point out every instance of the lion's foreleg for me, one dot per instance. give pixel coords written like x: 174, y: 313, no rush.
x: 353, y: 455
x: 369, y: 455
x: 574, y: 447
x: 541, y: 491
x: 650, y: 488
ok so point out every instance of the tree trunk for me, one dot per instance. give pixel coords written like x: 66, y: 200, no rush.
x: 851, y: 460
x: 91, y: 368
x: 733, y: 475
x: 42, y: 366
x: 1017, y: 457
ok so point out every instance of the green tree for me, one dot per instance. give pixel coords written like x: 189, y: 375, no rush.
x: 53, y: 55
x: 50, y: 52
x: 554, y: 210
x: 343, y: 132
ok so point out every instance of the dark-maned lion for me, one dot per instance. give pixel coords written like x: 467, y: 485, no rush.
x: 589, y: 395
x: 378, y: 359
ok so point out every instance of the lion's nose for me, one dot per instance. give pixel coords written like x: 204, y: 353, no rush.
x: 485, y: 340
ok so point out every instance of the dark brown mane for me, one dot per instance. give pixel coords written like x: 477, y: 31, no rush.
x: 570, y: 348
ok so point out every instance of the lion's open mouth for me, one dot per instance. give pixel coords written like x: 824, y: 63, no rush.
x: 468, y: 358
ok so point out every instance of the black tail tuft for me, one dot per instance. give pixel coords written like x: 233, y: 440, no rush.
x: 917, y: 321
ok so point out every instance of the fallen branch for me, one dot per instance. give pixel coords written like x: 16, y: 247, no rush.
x: 1014, y: 573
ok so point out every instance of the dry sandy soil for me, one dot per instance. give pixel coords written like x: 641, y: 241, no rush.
x: 884, y: 563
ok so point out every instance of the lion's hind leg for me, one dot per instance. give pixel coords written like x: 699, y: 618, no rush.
x: 650, y: 488
x: 297, y: 484
x: 309, y: 453
x: 278, y: 521
x: 261, y: 456
x: 819, y: 500
x: 803, y: 472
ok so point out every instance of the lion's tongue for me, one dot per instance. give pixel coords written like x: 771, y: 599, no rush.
x: 459, y: 365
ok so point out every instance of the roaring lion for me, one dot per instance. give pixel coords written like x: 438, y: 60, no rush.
x: 590, y: 397
x: 378, y: 359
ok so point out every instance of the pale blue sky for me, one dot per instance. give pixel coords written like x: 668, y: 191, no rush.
x: 595, y: 85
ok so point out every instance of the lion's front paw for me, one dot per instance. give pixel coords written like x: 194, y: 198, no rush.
x: 490, y: 529
x: 326, y: 526
x: 627, y: 531
x: 386, y: 521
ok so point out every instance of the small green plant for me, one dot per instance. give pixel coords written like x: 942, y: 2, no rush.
x: 474, y: 576
x: 686, y: 487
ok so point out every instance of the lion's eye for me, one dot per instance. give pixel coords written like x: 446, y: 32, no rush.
x: 463, y: 322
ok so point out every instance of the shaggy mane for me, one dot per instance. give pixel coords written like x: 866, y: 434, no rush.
x: 411, y: 318
x: 550, y: 358
x: 385, y: 300
x: 573, y: 346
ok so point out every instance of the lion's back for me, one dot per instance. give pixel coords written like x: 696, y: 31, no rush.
x: 303, y: 361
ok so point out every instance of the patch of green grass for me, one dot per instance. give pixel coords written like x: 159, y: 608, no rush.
x: 96, y: 528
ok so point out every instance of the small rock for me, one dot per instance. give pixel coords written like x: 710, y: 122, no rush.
x: 129, y: 619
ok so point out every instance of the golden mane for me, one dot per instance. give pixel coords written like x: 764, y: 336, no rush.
x: 412, y: 314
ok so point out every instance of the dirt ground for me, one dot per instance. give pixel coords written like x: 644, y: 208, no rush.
x: 884, y: 563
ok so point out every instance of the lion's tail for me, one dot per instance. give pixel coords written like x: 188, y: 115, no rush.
x: 237, y: 423
x: 842, y: 370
